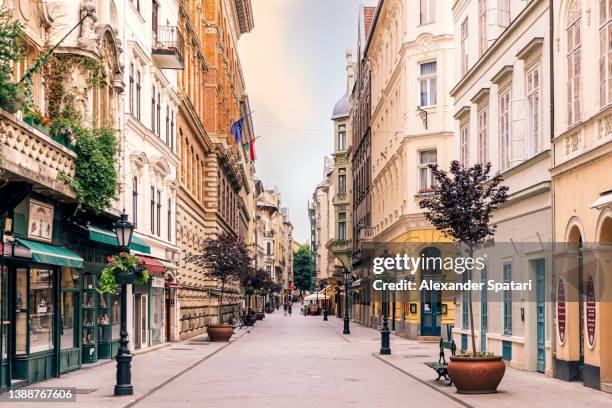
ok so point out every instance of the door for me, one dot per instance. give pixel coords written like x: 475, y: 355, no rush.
x: 167, y: 320
x: 540, y: 317
x: 581, y: 296
x: 430, y: 321
x: 140, y: 320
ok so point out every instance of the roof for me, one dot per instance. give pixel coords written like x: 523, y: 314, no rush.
x: 341, y: 109
x: 368, y: 18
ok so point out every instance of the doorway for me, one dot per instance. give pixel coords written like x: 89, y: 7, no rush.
x: 431, y: 300
x: 538, y: 267
x: 140, y: 320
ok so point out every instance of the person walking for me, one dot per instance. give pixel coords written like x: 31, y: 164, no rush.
x: 289, y: 309
x: 285, y: 307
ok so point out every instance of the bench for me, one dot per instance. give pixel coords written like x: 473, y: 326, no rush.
x: 440, y: 366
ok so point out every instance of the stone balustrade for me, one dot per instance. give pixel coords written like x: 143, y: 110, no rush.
x: 29, y: 155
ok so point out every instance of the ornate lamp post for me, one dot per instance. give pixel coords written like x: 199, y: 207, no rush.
x: 385, y: 342
x: 324, y: 286
x: 347, y: 329
x: 124, y: 230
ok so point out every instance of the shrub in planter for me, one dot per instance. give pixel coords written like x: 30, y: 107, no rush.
x: 225, y: 257
x: 460, y: 206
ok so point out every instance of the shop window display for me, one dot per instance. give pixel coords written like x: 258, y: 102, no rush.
x: 41, y: 310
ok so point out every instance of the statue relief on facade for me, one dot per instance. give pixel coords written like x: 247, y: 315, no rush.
x: 88, y: 39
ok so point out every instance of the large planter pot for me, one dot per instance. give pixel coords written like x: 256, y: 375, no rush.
x: 219, y: 332
x: 476, y: 375
x: 125, y: 278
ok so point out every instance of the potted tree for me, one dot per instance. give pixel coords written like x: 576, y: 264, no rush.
x: 460, y: 206
x: 225, y: 258
x: 122, y: 268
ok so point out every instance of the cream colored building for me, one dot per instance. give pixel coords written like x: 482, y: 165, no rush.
x: 582, y: 189
x: 324, y: 221
x: 412, y: 65
x: 502, y: 117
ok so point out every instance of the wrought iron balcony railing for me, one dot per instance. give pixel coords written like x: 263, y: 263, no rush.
x: 168, y: 48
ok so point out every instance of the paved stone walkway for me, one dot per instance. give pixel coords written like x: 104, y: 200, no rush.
x: 302, y: 361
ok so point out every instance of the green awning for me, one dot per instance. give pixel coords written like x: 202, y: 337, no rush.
x: 108, y: 237
x: 53, y: 255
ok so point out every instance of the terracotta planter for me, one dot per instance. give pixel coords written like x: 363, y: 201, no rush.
x: 219, y: 332
x: 476, y: 375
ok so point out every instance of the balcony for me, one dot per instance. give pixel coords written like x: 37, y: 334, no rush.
x: 31, y: 156
x: 168, y: 48
x: 366, y: 233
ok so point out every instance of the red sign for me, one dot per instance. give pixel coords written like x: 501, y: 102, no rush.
x: 591, y: 311
x: 292, y: 286
x: 561, y: 310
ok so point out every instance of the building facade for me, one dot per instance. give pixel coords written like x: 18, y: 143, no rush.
x: 412, y: 67
x: 582, y: 147
x: 216, y: 185
x: 502, y: 95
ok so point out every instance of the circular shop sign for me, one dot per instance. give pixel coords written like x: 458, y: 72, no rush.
x: 561, y: 311
x: 591, y: 311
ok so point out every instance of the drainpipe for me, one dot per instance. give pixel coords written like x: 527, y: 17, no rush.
x: 551, y: 50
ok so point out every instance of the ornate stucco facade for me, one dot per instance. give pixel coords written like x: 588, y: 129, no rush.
x: 216, y: 176
x: 412, y: 68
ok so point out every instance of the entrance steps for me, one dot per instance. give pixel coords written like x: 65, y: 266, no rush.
x: 428, y: 339
x: 606, y: 387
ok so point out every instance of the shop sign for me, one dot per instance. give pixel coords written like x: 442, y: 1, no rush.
x: 40, y: 221
x: 561, y: 313
x: 591, y: 311
x: 157, y: 282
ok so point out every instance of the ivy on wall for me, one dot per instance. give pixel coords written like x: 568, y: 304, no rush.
x: 13, y: 94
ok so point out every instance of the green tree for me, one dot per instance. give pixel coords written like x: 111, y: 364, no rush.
x: 303, y: 268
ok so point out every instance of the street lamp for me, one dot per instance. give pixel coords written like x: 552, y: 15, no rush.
x: 124, y: 230
x: 385, y: 342
x: 324, y: 286
x: 347, y: 329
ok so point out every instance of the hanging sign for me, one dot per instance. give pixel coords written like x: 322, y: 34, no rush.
x: 561, y: 311
x: 591, y: 311
x: 40, y: 222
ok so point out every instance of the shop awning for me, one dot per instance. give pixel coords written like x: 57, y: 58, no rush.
x: 109, y: 237
x: 152, y: 264
x: 168, y: 265
x: 50, y: 254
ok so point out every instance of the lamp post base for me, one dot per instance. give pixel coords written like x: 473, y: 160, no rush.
x: 325, y: 314
x: 121, y: 390
x: 385, y: 342
x: 346, y: 330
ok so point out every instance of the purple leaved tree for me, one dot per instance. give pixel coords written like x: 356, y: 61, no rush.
x: 225, y: 258
x: 461, y: 206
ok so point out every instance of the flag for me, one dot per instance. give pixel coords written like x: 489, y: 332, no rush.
x: 252, y: 148
x: 236, y: 130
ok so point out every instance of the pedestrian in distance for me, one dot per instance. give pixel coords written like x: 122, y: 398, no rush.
x: 289, y: 309
x: 285, y: 307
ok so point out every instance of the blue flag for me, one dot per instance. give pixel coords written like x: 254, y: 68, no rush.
x: 236, y: 130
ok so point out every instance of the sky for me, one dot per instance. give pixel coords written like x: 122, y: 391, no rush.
x: 294, y: 66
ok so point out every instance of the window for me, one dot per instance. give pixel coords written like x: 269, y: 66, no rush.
x: 465, y: 144
x: 464, y: 46
x: 152, y: 210
x: 428, y: 11
x: 169, y: 219
x: 135, y: 200
x: 341, y: 137
x: 504, y: 130
x: 138, y: 94
x: 426, y: 178
x: 132, y: 95
x: 158, y: 110
x: 504, y: 13
x: 167, y: 124
x: 428, y: 83
x: 342, y: 226
x: 155, y: 17
x: 533, y: 110
x: 171, y: 143
x: 483, y: 125
x: 41, y: 306
x: 482, y: 26
x: 153, y: 121
x: 574, y: 57
x: 269, y: 248
x: 159, y: 213
x: 605, y: 52
x: 507, y: 269
x: 342, y: 181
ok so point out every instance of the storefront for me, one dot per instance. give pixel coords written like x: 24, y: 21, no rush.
x: 149, y: 305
